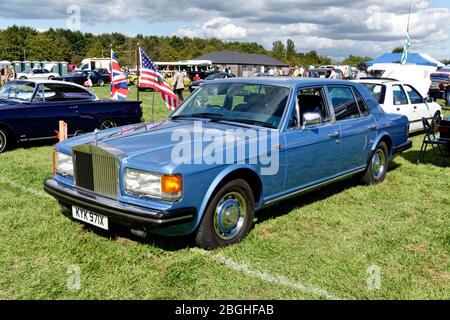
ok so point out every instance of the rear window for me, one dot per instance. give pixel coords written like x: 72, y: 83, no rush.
x: 378, y: 91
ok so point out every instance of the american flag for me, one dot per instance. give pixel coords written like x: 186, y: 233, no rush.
x: 119, y: 84
x: 151, y: 78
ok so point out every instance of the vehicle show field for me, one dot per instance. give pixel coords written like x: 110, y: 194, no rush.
x: 346, y: 241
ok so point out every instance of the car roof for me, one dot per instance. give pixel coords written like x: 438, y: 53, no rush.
x: 378, y: 81
x: 285, y: 81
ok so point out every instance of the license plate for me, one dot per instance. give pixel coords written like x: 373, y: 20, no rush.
x: 90, y: 217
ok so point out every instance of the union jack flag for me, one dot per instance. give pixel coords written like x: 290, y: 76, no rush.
x: 119, y: 84
x: 151, y: 78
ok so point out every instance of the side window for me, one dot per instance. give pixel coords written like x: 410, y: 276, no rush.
x: 344, y: 103
x: 61, y: 92
x: 310, y: 100
x: 363, y: 108
x: 399, y: 95
x: 414, y: 96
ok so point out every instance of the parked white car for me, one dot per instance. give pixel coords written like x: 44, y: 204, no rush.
x: 37, y: 74
x: 401, y: 98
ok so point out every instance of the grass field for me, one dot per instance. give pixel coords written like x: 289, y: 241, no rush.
x: 323, y: 245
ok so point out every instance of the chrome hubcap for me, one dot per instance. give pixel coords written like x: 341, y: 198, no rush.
x: 107, y: 124
x: 229, y: 215
x: 378, y: 164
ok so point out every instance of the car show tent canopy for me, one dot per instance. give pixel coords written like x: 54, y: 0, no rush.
x: 422, y: 59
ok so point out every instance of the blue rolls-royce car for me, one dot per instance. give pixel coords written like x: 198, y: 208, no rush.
x: 31, y: 110
x: 233, y: 147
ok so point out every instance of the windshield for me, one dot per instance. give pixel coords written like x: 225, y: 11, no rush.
x: 17, y: 91
x: 254, y: 104
x: 378, y: 91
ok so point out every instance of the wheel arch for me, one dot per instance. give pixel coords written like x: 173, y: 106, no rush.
x: 386, y: 138
x: 9, y: 130
x: 246, y: 173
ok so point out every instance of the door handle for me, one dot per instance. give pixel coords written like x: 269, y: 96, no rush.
x: 334, y: 135
x: 373, y: 127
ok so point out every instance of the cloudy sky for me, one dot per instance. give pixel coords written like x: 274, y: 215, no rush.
x: 334, y: 28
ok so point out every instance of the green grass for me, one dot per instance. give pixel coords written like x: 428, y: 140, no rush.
x: 326, y: 239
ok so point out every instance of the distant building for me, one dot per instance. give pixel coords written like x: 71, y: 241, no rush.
x: 242, y: 64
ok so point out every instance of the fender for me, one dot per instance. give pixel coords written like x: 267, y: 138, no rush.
x: 11, y: 129
x: 218, y: 179
x: 380, y: 136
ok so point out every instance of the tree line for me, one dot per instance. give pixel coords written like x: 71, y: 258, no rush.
x: 26, y: 43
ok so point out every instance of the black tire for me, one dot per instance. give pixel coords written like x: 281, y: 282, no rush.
x: 23, y: 78
x: 107, y: 124
x: 377, y: 166
x: 51, y: 78
x: 234, y: 202
x: 100, y: 83
x: 4, y: 140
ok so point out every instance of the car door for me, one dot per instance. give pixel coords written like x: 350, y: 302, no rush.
x: 358, y: 128
x: 402, y: 106
x: 420, y: 108
x: 50, y: 106
x: 311, y: 150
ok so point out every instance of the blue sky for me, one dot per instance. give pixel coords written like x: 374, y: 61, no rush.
x: 334, y: 28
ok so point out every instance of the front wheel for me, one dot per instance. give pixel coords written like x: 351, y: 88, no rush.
x: 377, y: 166
x: 3, y: 140
x: 100, y: 83
x: 228, y: 217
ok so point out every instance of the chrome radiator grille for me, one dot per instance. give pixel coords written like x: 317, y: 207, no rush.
x: 96, y: 170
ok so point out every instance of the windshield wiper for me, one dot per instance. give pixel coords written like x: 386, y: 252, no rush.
x: 254, y: 122
x: 206, y: 115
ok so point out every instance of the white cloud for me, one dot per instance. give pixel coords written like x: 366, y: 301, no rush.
x: 215, y: 28
x: 332, y: 27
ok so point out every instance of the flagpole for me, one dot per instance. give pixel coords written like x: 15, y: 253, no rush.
x: 153, y: 105
x: 138, y: 62
x: 111, y: 66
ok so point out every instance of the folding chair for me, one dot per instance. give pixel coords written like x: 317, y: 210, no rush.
x: 431, y: 138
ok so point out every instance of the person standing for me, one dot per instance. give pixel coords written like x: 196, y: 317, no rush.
x: 178, y: 84
x: 447, y: 96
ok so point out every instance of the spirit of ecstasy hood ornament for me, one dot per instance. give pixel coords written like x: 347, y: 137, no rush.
x: 95, y: 137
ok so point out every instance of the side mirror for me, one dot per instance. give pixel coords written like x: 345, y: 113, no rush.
x: 311, y: 118
x: 428, y: 100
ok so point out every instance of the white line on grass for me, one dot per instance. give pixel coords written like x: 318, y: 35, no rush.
x: 266, y: 277
x: 24, y: 189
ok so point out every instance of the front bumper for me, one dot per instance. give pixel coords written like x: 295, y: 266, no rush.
x: 124, y: 214
x: 402, y: 147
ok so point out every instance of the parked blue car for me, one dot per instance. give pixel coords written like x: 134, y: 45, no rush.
x: 31, y: 110
x: 233, y: 147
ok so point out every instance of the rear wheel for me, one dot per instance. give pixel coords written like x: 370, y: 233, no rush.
x: 51, y: 78
x: 3, y: 140
x: 107, y: 124
x: 22, y: 78
x: 377, y: 167
x: 228, y: 217
x: 100, y: 83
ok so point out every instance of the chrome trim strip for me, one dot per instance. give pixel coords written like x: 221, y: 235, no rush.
x: 315, y: 186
